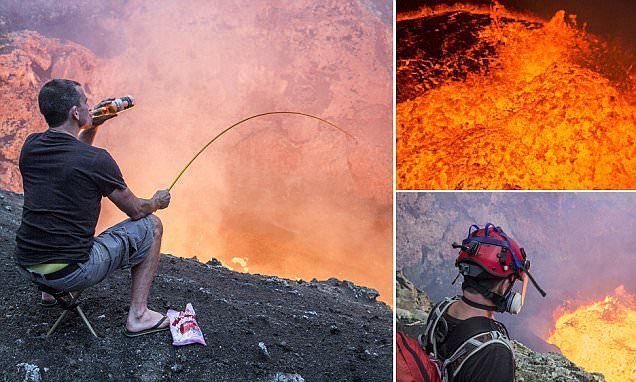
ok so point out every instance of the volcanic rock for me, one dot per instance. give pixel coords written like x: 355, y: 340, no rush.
x: 283, y: 377
x: 84, y: 21
x: 414, y: 306
x: 530, y: 366
x: 235, y: 310
x: 27, y: 61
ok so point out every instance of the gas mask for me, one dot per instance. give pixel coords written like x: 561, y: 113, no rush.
x: 513, y: 300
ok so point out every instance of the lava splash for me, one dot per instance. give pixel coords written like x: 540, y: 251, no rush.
x: 601, y: 336
x: 491, y: 99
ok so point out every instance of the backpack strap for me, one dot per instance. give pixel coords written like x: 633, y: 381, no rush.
x: 471, y: 346
x: 450, y: 367
x: 434, y: 318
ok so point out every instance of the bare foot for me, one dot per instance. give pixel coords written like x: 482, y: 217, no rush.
x: 146, y: 320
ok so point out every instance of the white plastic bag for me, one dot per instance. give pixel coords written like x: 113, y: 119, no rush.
x: 184, y: 327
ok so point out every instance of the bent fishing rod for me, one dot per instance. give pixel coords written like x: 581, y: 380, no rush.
x: 219, y: 135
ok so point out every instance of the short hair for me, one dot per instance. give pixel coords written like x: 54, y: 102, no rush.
x: 56, y: 98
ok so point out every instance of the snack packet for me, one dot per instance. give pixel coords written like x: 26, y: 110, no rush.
x: 184, y: 327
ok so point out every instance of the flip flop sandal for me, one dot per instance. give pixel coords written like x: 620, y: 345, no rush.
x: 47, y: 304
x: 154, y: 329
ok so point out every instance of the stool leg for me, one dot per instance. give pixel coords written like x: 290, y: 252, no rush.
x: 57, y: 323
x: 76, y: 296
x: 88, y: 324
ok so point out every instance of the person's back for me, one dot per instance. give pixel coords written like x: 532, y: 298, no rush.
x: 494, y: 362
x: 64, y: 181
x: 461, y: 334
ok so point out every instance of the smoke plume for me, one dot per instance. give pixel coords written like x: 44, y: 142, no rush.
x: 279, y: 195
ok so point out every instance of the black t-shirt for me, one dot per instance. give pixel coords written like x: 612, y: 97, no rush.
x: 493, y: 363
x: 64, y: 181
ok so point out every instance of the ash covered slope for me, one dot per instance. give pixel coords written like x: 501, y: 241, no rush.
x: 321, y: 331
x: 413, y: 306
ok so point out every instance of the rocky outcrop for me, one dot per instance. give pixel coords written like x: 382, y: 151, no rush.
x: 413, y: 306
x: 257, y: 328
x: 553, y: 367
x: 27, y: 61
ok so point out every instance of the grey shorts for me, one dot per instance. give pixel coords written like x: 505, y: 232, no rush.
x: 119, y: 247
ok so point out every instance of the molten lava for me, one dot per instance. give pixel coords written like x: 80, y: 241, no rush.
x: 529, y: 104
x: 601, y: 336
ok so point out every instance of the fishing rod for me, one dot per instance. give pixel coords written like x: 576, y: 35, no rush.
x: 245, y: 120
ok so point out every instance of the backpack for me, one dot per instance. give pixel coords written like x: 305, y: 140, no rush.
x: 412, y: 364
x: 418, y: 360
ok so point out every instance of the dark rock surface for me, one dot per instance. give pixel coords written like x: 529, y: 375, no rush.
x: 313, y: 331
x: 79, y: 21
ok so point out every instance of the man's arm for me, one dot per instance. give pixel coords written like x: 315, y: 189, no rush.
x: 137, y: 208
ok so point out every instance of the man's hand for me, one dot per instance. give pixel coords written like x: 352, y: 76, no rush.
x: 138, y: 208
x: 161, y: 199
x: 103, y: 102
x: 103, y: 118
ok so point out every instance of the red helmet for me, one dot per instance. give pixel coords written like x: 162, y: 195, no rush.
x: 490, y: 250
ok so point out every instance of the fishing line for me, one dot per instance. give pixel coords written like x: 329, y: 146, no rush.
x: 245, y: 120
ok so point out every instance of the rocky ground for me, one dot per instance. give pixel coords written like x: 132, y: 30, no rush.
x: 413, y: 305
x: 312, y: 331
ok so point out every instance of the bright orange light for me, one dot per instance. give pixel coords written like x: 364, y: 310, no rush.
x: 555, y: 109
x: 601, y: 336
x: 279, y: 195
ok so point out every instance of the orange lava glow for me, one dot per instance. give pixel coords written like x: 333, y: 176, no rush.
x: 555, y: 109
x: 279, y: 195
x: 601, y: 336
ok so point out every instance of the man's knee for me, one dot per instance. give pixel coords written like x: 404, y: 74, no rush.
x: 157, y: 225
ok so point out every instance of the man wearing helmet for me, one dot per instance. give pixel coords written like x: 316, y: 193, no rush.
x: 461, y: 333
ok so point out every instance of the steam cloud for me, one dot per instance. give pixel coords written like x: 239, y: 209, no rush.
x: 294, y: 197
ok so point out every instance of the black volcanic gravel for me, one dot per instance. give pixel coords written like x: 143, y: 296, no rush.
x: 322, y: 331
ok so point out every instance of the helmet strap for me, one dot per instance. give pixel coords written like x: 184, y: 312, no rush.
x: 499, y: 301
x: 478, y: 305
